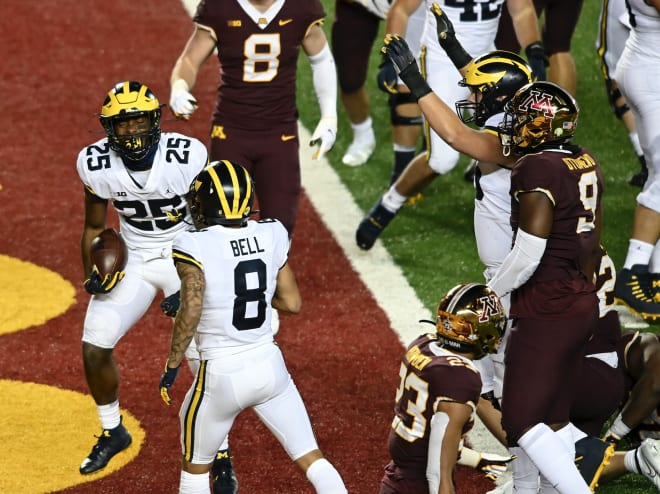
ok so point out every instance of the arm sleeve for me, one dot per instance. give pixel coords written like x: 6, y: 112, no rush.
x: 324, y: 78
x: 439, y: 423
x: 519, y: 264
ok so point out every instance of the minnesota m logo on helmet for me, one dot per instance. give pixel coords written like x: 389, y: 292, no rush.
x: 540, y: 102
x: 491, y: 307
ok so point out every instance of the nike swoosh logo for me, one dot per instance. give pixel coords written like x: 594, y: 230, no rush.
x: 285, y: 137
x: 285, y: 22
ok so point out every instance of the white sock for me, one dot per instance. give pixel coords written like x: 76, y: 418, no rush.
x: 402, y: 148
x: 549, y: 453
x: 577, y: 434
x: 392, y: 200
x: 191, y: 483
x: 634, y: 140
x: 363, y: 130
x: 630, y: 461
x: 325, y: 478
x: 109, y: 415
x: 525, y: 473
x: 638, y: 253
x: 567, y: 437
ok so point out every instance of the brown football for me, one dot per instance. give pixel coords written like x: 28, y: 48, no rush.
x: 109, y: 252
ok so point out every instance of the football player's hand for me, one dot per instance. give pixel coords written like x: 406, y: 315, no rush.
x: 492, y: 465
x: 387, y: 76
x: 166, y: 382
x: 443, y: 26
x: 170, y: 304
x: 537, y: 60
x: 447, y: 38
x: 182, y: 103
x: 396, y: 49
x: 96, y: 285
x: 324, y: 135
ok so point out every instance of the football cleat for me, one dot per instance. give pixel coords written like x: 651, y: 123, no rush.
x: 360, y: 150
x: 110, y: 442
x: 647, y: 460
x: 372, y: 225
x: 416, y: 199
x: 224, y: 478
x: 591, y: 456
x: 634, y: 287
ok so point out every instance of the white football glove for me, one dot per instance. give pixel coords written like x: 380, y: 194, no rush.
x: 490, y: 464
x: 324, y: 135
x: 182, y: 103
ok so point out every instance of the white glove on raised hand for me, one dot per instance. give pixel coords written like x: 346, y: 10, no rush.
x: 324, y: 135
x: 182, y: 103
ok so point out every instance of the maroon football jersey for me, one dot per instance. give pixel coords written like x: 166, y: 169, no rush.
x: 258, y: 56
x: 573, y: 181
x: 429, y: 374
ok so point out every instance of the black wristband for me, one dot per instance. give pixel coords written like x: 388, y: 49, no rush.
x: 456, y: 53
x: 535, y: 50
x: 415, y: 82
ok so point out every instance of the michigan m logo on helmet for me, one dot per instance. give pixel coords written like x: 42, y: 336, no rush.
x: 495, y: 76
x: 222, y: 194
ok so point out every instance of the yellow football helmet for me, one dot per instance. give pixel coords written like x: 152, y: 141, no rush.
x: 495, y: 76
x: 222, y: 194
x: 126, y: 100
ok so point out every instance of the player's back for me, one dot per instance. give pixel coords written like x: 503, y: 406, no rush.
x: 240, y: 268
x: 429, y: 374
x: 258, y: 54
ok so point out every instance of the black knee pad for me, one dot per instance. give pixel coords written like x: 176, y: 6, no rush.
x: 401, y: 99
x: 613, y: 94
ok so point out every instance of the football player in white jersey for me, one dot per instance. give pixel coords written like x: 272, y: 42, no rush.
x: 144, y: 174
x: 476, y: 26
x: 233, y: 272
x: 637, y: 73
x: 613, y: 30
